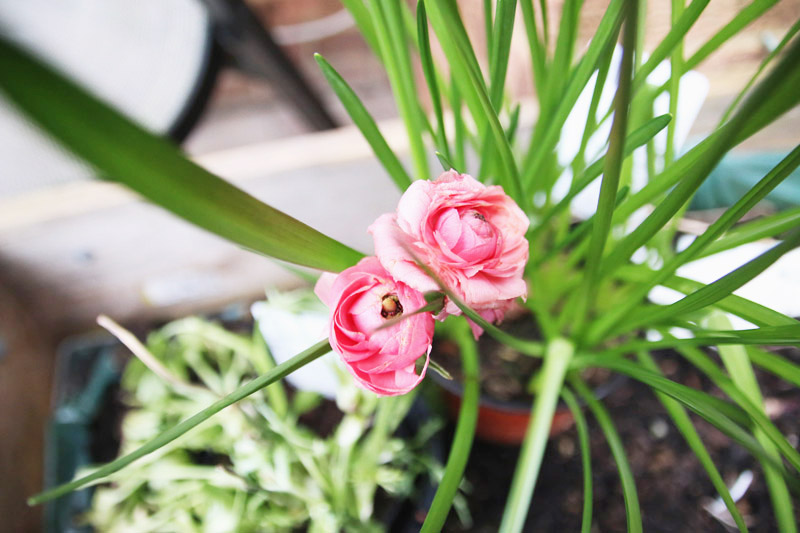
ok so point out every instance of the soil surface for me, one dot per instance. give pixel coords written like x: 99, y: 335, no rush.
x: 672, y: 486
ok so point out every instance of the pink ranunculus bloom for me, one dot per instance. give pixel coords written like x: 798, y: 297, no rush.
x: 472, y: 236
x: 361, y: 299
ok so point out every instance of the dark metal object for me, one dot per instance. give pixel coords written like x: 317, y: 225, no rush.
x: 251, y: 48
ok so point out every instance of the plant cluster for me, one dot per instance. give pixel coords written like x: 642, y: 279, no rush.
x: 259, y: 463
x: 587, y: 281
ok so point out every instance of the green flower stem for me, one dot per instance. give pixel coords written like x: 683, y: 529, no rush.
x: 465, y: 433
x: 279, y: 372
x: 556, y: 361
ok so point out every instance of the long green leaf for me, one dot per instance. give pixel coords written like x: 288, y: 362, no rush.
x: 499, y: 50
x: 388, y: 22
x: 611, y: 173
x: 365, y: 123
x: 760, y: 228
x: 536, y: 49
x: 711, y: 293
x: 728, y: 218
x: 279, y: 372
x: 775, y: 364
x: 726, y: 417
x: 632, y: 511
x: 122, y: 151
x: 771, y: 97
x: 429, y: 71
x: 742, y: 19
x: 543, y: 143
x: 692, y: 438
x: 737, y: 362
x: 449, y: 28
x: 586, y: 456
x: 670, y: 41
x: 635, y: 139
x: 554, y: 369
x: 464, y: 434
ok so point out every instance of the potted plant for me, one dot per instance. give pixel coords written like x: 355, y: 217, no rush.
x: 472, y: 246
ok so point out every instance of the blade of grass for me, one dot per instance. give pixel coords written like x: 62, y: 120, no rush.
x: 760, y: 425
x: 429, y: 71
x: 775, y: 364
x: 611, y: 173
x: 120, y: 150
x: 536, y: 49
x: 750, y: 199
x: 543, y: 143
x: 741, y: 20
x: 765, y: 336
x: 706, y: 155
x: 388, y: 22
x: 704, y: 297
x: 761, y: 228
x: 684, y: 424
x: 635, y: 139
x: 632, y: 511
x: 500, y: 45
x: 554, y: 369
x: 279, y: 372
x: 464, y: 434
x: 741, y: 307
x: 565, y: 46
x: 736, y: 361
x: 764, y: 63
x: 365, y: 123
x: 671, y: 41
x: 363, y: 20
x: 586, y: 456
x: 728, y: 418
x: 450, y: 28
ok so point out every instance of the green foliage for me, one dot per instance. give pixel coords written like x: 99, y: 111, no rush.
x: 255, y: 465
x: 586, y: 292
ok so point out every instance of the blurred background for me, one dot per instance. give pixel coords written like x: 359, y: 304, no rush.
x: 236, y: 85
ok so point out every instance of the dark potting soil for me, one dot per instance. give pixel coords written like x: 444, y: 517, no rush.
x: 505, y: 373
x: 671, y: 484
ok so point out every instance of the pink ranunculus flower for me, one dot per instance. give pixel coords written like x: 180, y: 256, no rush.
x: 472, y: 236
x: 362, y: 298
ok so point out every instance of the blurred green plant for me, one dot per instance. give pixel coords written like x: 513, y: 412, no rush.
x: 259, y: 464
x: 587, y: 295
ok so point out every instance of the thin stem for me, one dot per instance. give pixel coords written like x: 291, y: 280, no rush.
x: 556, y: 361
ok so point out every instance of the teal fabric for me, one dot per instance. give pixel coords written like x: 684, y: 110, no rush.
x: 737, y: 173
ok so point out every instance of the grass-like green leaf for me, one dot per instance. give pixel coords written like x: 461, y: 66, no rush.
x: 633, y: 513
x: 743, y: 18
x: 365, y: 123
x: 737, y: 362
x: 120, y: 150
x: 387, y: 18
x: 429, y: 71
x: 464, y: 434
x: 750, y: 199
x: 549, y: 125
x: 586, y: 456
x: 554, y: 369
x: 707, y: 295
x: 760, y: 228
x: 635, y: 139
x: 500, y: 45
x: 611, y: 173
x: 536, y: 49
x: 684, y: 424
x: 675, y: 36
x: 449, y: 28
x: 279, y: 372
x: 775, y: 364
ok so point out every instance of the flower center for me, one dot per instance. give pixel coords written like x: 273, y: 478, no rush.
x: 391, y: 306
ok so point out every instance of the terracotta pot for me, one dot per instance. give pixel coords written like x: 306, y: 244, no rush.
x: 505, y: 422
